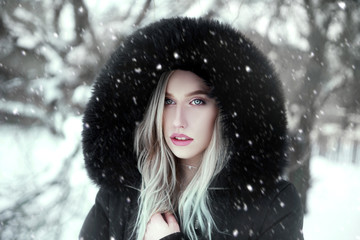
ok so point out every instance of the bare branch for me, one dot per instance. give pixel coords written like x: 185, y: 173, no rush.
x: 127, y: 14
x: 58, y: 6
x: 143, y: 13
x: 214, y: 12
x: 238, y: 13
x: 327, y: 91
x: 275, y: 16
x: 82, y: 21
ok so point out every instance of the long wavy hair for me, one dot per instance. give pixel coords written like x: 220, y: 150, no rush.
x: 157, y: 166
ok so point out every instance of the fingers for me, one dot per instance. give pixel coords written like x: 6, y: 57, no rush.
x: 171, y: 221
x: 157, y: 217
x: 169, y: 218
x: 161, y: 225
x: 165, y: 218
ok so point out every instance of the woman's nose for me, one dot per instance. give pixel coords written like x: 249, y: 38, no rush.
x: 180, y: 118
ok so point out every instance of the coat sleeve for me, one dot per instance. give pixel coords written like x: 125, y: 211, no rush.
x: 284, y: 219
x: 96, y: 225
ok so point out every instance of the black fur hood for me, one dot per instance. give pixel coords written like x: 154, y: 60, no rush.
x: 245, y: 85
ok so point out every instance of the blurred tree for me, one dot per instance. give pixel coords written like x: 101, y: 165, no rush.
x: 329, y: 68
x: 32, y: 39
x: 37, y: 83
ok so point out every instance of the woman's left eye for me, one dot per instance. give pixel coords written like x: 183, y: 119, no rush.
x: 168, y: 101
x: 197, y: 102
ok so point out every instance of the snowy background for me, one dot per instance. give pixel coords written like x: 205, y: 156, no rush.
x: 51, y: 50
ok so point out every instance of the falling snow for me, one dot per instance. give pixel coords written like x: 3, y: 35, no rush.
x: 245, y: 207
x: 134, y: 100
x: 342, y: 5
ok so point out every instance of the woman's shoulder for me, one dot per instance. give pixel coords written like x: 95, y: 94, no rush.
x: 120, y: 205
x: 246, y: 198
x: 116, y: 196
x: 281, y: 213
x: 284, y: 192
x: 248, y: 213
x: 284, y: 214
x: 285, y: 197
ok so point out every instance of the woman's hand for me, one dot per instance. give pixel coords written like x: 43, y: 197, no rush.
x: 161, y: 225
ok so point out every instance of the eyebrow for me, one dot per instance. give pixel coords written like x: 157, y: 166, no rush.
x: 192, y: 93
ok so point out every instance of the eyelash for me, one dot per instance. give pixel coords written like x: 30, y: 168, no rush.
x: 202, y: 102
x: 168, y: 101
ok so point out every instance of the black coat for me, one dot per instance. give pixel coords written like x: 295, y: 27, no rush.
x: 249, y: 200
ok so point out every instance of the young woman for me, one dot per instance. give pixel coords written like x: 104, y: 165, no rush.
x: 186, y: 136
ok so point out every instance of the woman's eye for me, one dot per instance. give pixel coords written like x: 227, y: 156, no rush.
x: 168, y: 101
x: 197, y: 102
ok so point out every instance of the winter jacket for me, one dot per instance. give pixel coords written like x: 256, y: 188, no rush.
x: 248, y: 198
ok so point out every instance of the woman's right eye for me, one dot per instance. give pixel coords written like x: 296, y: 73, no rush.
x: 168, y: 101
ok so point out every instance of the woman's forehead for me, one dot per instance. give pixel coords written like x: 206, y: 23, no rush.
x: 187, y: 83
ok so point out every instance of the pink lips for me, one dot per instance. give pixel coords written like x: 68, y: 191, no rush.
x: 181, y: 139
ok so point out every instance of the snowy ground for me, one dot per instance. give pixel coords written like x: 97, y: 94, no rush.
x: 32, y: 157
x: 334, y: 199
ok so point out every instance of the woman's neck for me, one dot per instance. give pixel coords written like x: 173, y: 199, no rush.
x: 186, y: 173
x: 186, y: 170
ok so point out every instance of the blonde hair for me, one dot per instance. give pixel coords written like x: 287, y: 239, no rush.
x: 157, y: 166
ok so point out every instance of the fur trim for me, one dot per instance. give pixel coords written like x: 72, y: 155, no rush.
x: 245, y: 85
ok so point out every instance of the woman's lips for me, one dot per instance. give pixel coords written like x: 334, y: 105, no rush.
x: 180, y: 139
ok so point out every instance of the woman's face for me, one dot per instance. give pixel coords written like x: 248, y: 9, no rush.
x: 189, y: 116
